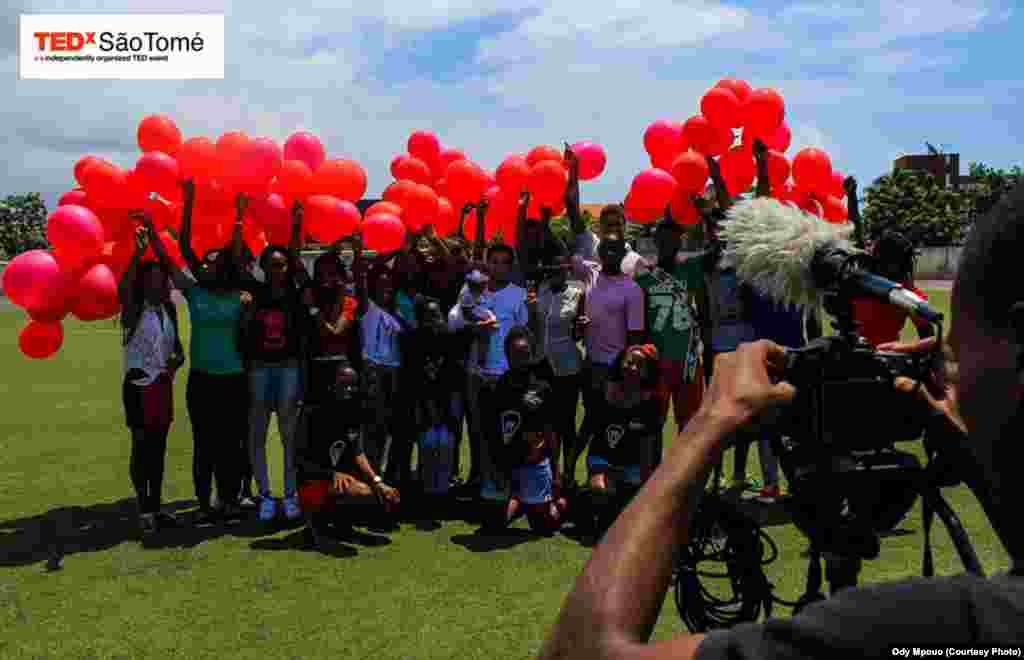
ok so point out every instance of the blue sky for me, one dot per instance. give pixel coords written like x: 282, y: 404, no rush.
x: 866, y: 81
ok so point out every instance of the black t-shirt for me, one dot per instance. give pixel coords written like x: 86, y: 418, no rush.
x: 431, y: 360
x: 868, y: 622
x: 277, y: 327
x: 624, y: 435
x: 522, y: 407
x: 332, y: 438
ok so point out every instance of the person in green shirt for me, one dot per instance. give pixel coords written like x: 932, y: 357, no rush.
x: 217, y: 390
x: 671, y: 288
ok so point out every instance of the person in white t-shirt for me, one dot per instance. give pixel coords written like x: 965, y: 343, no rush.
x: 508, y: 304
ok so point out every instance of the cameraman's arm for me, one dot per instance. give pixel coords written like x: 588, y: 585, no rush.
x: 614, y: 606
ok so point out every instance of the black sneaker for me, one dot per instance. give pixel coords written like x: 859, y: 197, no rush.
x: 55, y: 562
x: 231, y: 513
x: 204, y: 518
x: 147, y: 522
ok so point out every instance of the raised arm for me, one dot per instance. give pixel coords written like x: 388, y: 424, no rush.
x: 764, y: 186
x: 298, y: 269
x: 572, y: 192
x: 181, y: 280
x: 126, y: 285
x: 241, y: 203
x: 462, y: 218
x: 185, y: 238
x: 721, y: 191
x: 853, y: 210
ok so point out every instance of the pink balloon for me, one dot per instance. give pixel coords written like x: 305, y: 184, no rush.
x: 76, y: 197
x: 96, y: 298
x: 31, y: 277
x: 383, y: 232
x: 76, y: 233
x: 663, y: 136
x: 39, y: 340
x: 305, y: 147
x: 652, y: 189
x: 261, y: 160
x: 425, y: 146
x: 592, y: 159
x: 156, y: 172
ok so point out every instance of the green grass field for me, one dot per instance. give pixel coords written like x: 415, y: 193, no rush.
x: 246, y: 592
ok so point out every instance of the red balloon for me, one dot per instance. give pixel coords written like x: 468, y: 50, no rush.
x: 411, y: 168
x: 341, y: 178
x: 724, y: 139
x: 425, y: 146
x: 398, y: 192
x: 329, y: 219
x: 39, y: 340
x: 513, y: 173
x: 30, y: 279
x: 449, y: 156
x: 384, y: 207
x: 592, y: 159
x: 834, y: 210
x: 740, y: 88
x: 469, y: 228
x: 812, y: 206
x: 683, y: 210
x: 652, y: 189
x: 105, y: 183
x: 383, y: 233
x: 255, y: 240
x: 721, y: 107
x: 543, y: 153
x: 96, y: 297
x: 664, y: 161
x: 466, y: 182
x: 261, y: 160
x: 663, y: 136
x: 691, y: 171
x: 76, y: 233
x: 779, y: 140
x: 441, y: 187
x: 197, y: 159
x: 295, y: 179
x: 156, y: 172
x: 271, y: 212
x: 306, y: 147
x: 838, y: 189
x: 778, y: 168
x: 812, y: 170
x: 159, y: 133
x: 229, y: 156
x: 447, y: 222
x: 76, y: 197
x: 701, y: 135
x: 547, y: 182
x: 420, y: 208
x: 83, y: 163
x: 738, y: 170
x: 764, y: 112
x: 641, y: 214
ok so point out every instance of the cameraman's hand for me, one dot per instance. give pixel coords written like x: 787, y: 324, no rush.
x: 939, y: 391
x: 742, y: 385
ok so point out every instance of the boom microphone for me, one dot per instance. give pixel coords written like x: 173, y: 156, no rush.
x: 795, y: 258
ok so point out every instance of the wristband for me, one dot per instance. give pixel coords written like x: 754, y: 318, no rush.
x: 377, y: 480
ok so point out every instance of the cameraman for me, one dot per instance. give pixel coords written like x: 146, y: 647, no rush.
x: 612, y: 611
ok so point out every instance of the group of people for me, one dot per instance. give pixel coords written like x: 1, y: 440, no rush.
x: 362, y: 363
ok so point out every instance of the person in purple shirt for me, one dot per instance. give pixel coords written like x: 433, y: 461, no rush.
x: 612, y: 318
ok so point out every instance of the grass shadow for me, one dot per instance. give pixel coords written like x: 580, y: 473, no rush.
x: 70, y: 530
x: 300, y: 542
x: 485, y: 540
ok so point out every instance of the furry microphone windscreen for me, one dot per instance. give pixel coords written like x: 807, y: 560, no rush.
x: 771, y: 246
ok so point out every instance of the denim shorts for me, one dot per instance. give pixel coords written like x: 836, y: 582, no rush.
x: 533, y: 482
x: 273, y: 385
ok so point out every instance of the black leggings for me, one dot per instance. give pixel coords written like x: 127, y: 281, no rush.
x: 149, y: 446
x: 218, y: 408
x: 566, y: 399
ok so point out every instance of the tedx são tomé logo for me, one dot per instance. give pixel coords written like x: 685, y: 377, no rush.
x: 141, y: 46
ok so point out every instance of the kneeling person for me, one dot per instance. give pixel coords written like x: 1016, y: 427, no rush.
x: 527, y: 445
x: 333, y: 468
x: 622, y: 455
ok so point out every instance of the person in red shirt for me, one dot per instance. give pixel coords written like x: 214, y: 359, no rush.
x: 879, y: 321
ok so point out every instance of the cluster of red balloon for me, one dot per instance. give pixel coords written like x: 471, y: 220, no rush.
x: 92, y: 232
x: 732, y: 115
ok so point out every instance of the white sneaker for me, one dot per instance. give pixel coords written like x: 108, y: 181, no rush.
x: 268, y: 508
x: 291, y: 508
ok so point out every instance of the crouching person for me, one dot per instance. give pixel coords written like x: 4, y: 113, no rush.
x: 524, y: 446
x: 333, y: 469
x: 622, y: 455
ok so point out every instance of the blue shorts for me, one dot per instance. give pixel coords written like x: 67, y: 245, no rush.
x: 630, y: 474
x: 274, y: 386
x: 533, y: 483
x: 435, y: 458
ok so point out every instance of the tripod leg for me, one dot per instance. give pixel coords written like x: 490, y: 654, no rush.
x: 841, y: 572
x: 957, y: 533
